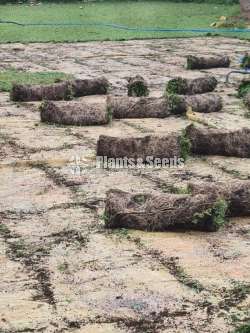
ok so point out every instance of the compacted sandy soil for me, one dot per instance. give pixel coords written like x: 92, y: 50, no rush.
x: 61, y: 270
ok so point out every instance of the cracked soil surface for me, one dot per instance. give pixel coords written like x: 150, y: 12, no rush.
x: 61, y: 270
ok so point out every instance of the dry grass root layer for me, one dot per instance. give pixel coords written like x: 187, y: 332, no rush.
x: 210, y: 141
x: 205, y: 103
x: 121, y: 107
x: 163, y: 212
x: 135, y: 107
x: 59, y: 91
x: 237, y: 194
x: 140, y: 147
x: 183, y: 86
x: 194, y: 62
x: 74, y: 113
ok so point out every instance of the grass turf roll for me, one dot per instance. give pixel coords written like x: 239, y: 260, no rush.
x: 66, y: 90
x: 74, y: 113
x: 161, y: 212
x: 195, y: 62
x: 210, y: 141
x: 199, y: 85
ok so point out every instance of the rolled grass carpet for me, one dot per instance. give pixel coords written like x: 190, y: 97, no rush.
x: 141, y: 147
x: 194, y: 62
x: 74, y: 113
x: 210, y: 141
x: 196, y: 140
x: 236, y: 193
x: 204, y: 103
x: 66, y: 90
x: 183, y: 86
x: 121, y: 107
x: 206, y: 207
x: 137, y: 107
x: 160, y: 212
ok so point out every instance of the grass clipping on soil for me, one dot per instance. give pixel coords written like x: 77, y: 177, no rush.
x: 247, y: 100
x: 244, y: 88
x: 74, y: 113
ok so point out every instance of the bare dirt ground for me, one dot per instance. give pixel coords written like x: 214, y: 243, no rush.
x: 61, y: 271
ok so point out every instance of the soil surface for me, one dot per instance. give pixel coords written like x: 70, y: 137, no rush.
x: 61, y: 270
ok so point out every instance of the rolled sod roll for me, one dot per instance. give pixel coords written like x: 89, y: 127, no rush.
x: 204, y: 103
x: 98, y: 86
x: 162, y: 211
x: 74, y: 113
x: 137, y: 86
x: 59, y: 91
x: 236, y: 193
x: 183, y: 86
x: 194, y: 62
x: 247, y: 100
x: 210, y: 141
x: 135, y: 107
x: 26, y: 93
x: 140, y: 148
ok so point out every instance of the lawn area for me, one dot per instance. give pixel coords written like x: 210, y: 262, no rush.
x: 150, y: 14
x: 9, y: 76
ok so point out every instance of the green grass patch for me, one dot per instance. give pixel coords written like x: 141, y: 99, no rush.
x: 4, y: 231
x: 215, y: 216
x: 110, y: 115
x: 182, y: 190
x: 139, y: 14
x: 245, y: 62
x: 244, y: 88
x: 63, y: 267
x: 218, y: 213
x: 243, y: 329
x: 180, y: 274
x: 104, y: 217
x: 121, y: 233
x: 174, y: 102
x: 184, y: 278
x: 138, y: 89
x: 176, y: 86
x: 171, y: 188
x: 185, y: 145
x: 10, y: 76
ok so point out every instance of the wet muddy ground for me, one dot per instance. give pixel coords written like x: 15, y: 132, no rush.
x: 61, y: 271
